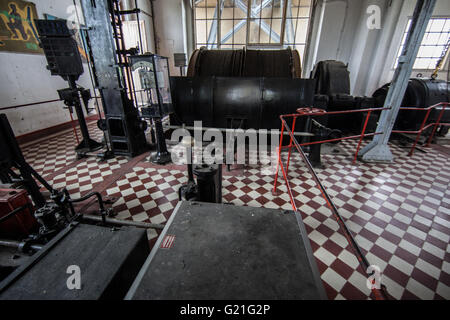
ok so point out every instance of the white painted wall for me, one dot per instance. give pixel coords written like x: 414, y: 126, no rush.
x: 25, y: 79
x: 173, y: 29
x: 340, y: 33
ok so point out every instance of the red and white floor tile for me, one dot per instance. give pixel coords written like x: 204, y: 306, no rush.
x: 81, y: 178
x: 147, y: 195
x: 58, y: 151
x: 399, y: 213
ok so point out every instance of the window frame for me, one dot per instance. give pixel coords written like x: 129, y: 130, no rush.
x: 248, y: 44
x: 404, y: 35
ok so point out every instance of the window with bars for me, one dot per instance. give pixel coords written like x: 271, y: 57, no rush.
x: 433, y: 46
x: 229, y: 24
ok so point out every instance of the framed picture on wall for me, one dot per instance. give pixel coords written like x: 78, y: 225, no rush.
x: 18, y: 32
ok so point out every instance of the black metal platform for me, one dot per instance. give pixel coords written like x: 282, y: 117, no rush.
x: 109, y: 260
x: 224, y: 251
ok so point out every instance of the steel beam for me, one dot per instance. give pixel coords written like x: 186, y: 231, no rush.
x: 253, y: 14
x: 213, y: 31
x: 235, y: 29
x: 378, y: 149
x: 289, y: 24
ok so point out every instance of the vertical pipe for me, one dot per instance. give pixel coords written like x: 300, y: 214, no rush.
x: 283, y: 22
x: 153, y: 24
x: 219, y: 24
x: 249, y: 7
x: 232, y: 39
x: 259, y: 28
x: 81, y: 120
x: 139, y: 26
x: 74, y: 128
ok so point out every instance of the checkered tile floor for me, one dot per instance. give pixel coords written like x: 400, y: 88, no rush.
x: 58, y: 151
x: 82, y: 178
x: 147, y: 195
x: 399, y: 213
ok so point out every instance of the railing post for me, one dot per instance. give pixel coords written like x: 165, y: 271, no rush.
x: 362, y: 136
x: 290, y: 144
x: 280, y: 146
x: 438, y: 121
x: 419, y: 133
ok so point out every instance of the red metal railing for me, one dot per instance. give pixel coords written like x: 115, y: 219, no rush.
x: 319, y: 112
x: 425, y: 126
x: 378, y: 293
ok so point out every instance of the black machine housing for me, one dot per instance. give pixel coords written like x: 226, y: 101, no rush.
x: 225, y: 102
x: 126, y: 131
x: 63, y: 58
x: 420, y: 93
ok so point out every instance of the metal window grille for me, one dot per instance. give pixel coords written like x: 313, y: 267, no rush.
x: 229, y: 24
x: 433, y: 45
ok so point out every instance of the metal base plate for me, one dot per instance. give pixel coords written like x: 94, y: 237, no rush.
x: 86, y: 146
x: 161, y: 158
x: 219, y: 251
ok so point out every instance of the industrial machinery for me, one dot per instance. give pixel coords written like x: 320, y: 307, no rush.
x: 251, y: 88
x: 240, y: 88
x: 64, y: 60
x: 245, y: 63
x: 245, y: 102
x: 333, y: 83
x: 43, y: 239
x: 332, y: 93
x: 112, y: 76
x: 420, y: 93
x: 247, y: 89
x: 13, y: 167
x: 106, y: 261
x: 112, y: 261
x: 15, y: 172
x: 208, y: 187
